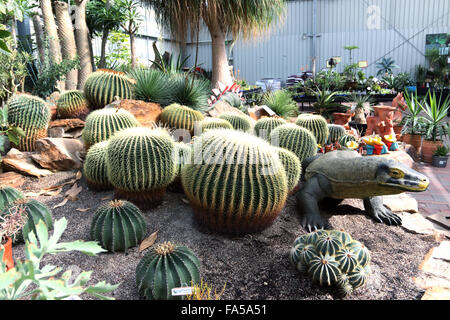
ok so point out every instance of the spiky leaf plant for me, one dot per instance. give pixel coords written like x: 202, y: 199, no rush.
x: 152, y: 85
x: 118, y: 225
x: 191, y: 93
x: 297, y: 139
x: 332, y: 258
x: 215, y: 123
x: 94, y: 168
x: 102, y: 124
x: 264, y: 126
x: 180, y: 117
x: 9, y: 195
x: 141, y: 165
x: 316, y: 124
x: 72, y: 104
x: 336, y: 131
x: 281, y: 103
x: 104, y: 85
x: 165, y: 267
x: 236, y: 183
x: 239, y: 122
x: 292, y: 166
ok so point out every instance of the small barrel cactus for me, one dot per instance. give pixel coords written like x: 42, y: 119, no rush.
x: 180, y: 117
x: 316, y: 124
x: 239, y: 122
x: 292, y: 166
x: 118, y: 225
x: 103, y: 86
x: 35, y: 210
x: 215, y: 123
x: 332, y: 258
x: 346, y: 138
x: 336, y: 131
x: 102, y: 124
x: 94, y: 168
x: 141, y: 165
x: 296, y: 139
x: 264, y: 126
x: 72, y: 104
x: 9, y: 195
x: 238, y: 185
x: 165, y: 267
x: 32, y: 115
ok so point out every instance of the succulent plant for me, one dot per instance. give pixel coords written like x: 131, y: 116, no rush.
x: 236, y: 183
x: 118, y: 225
x: 316, y: 124
x: 9, y: 195
x: 103, y: 86
x: 141, y: 165
x: 239, y: 122
x: 292, y: 166
x: 180, y: 117
x: 346, y: 138
x: 264, y: 126
x: 297, y: 139
x: 215, y: 123
x: 336, y: 131
x: 94, y: 168
x: 32, y: 115
x: 72, y: 104
x: 165, y: 267
x: 102, y: 124
x: 35, y: 210
x: 332, y: 258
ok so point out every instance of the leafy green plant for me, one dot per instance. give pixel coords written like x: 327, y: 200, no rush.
x: 3, y: 46
x: 350, y: 72
x: 281, y: 103
x: 386, y: 66
x: 7, y: 131
x: 441, y: 151
x: 172, y: 66
x: 326, y: 103
x: 193, y: 93
x: 152, y: 85
x: 30, y: 280
x: 13, y: 71
x: 435, y: 113
x: 118, y: 54
x: 350, y: 49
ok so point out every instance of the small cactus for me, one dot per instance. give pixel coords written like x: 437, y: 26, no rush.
x: 180, y: 117
x: 9, y: 195
x: 316, y: 124
x: 336, y: 132
x: 264, y: 126
x: 292, y: 166
x: 72, y: 104
x: 239, y: 122
x: 165, y: 267
x: 118, y: 225
x: 215, y: 123
x: 94, y: 168
x: 346, y: 138
x: 296, y: 139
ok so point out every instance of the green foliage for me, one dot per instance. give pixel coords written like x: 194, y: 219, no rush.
x: 233, y: 99
x: 386, y: 66
x: 72, y: 104
x: 292, y: 167
x: 118, y: 225
x: 100, y: 19
x: 13, y: 71
x: 336, y: 131
x: 264, y: 126
x: 281, y: 103
x: 8, y: 195
x: 441, y: 151
x: 152, y: 85
x: 94, y: 167
x: 7, y: 131
x: 165, y: 267
x: 326, y: 104
x: 412, y: 121
x: 170, y: 67
x: 239, y: 122
x: 180, y: 117
x: 332, y: 258
x: 435, y: 110
x: 398, y: 82
x: 30, y: 280
x: 3, y: 46
x: 235, y: 183
x: 118, y: 55
x: 350, y: 72
x: 215, y: 123
x: 193, y: 93
x: 316, y: 124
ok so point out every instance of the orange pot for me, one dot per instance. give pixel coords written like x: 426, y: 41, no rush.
x: 7, y: 254
x: 428, y: 148
x: 413, y: 139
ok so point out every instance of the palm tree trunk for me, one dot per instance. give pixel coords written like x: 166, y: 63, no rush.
x: 67, y: 37
x: 39, y: 33
x: 133, y: 50
x: 82, y: 39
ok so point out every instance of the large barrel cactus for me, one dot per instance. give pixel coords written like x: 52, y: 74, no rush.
x: 264, y: 126
x: 118, y: 225
x: 235, y: 183
x: 9, y: 195
x: 32, y: 115
x: 332, y: 258
x: 72, y: 104
x: 239, y: 122
x: 292, y: 166
x: 102, y: 124
x: 35, y: 210
x: 165, y: 267
x: 181, y: 117
x: 336, y: 131
x: 316, y: 124
x: 103, y: 86
x: 215, y: 123
x: 94, y: 168
x: 141, y: 165
x: 296, y: 139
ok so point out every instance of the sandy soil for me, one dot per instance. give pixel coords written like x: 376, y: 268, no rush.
x: 253, y: 266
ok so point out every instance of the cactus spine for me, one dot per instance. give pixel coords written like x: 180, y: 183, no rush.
x: 215, y: 123
x: 94, y: 167
x: 316, y: 124
x: 118, y: 225
x: 264, y: 126
x: 296, y: 139
x: 336, y: 132
x: 9, y: 195
x: 239, y: 186
x: 72, y: 104
x: 180, y: 117
x: 292, y: 166
x: 239, y: 122
x: 165, y: 267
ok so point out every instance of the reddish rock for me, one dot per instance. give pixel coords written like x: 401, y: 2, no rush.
x: 147, y: 113
x: 67, y: 124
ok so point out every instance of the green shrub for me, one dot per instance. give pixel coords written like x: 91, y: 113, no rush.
x: 152, y: 86
x: 281, y: 103
x: 191, y: 93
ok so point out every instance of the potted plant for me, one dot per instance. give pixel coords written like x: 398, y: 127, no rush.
x: 11, y: 224
x: 361, y: 109
x: 326, y: 104
x: 412, y: 121
x: 435, y: 125
x: 440, y: 157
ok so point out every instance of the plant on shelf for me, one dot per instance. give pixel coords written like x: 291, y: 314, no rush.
x: 326, y: 104
x: 421, y: 75
x: 30, y: 280
x: 281, y: 103
x: 386, y: 66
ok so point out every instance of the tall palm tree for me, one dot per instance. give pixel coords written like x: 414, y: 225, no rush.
x: 244, y: 18
x: 83, y: 41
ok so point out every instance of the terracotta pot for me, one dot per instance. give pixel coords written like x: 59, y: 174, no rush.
x: 342, y: 118
x: 7, y: 254
x: 428, y: 148
x: 413, y: 139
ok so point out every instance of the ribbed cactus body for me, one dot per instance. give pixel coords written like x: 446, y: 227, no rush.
x: 236, y: 182
x: 264, y: 126
x: 292, y: 166
x: 316, y: 124
x: 346, y: 138
x: 180, y: 117
x: 141, y: 164
x: 239, y: 122
x: 32, y: 115
x: 336, y: 131
x: 118, y: 225
x: 215, y: 123
x: 9, y: 195
x: 183, y: 156
x: 103, y: 86
x: 72, y: 104
x: 165, y: 267
x: 102, y: 124
x: 332, y: 258
x: 296, y: 139
x: 94, y: 168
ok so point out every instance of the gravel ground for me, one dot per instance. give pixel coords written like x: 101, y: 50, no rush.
x: 253, y: 267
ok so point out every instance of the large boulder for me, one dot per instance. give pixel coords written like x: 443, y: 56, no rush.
x: 59, y: 154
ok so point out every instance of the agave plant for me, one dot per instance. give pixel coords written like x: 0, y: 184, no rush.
x: 326, y: 103
x: 435, y: 113
x: 411, y: 120
x: 281, y: 103
x: 193, y: 93
x: 386, y: 66
x: 152, y: 85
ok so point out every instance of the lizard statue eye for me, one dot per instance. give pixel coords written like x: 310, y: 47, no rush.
x: 396, y: 173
